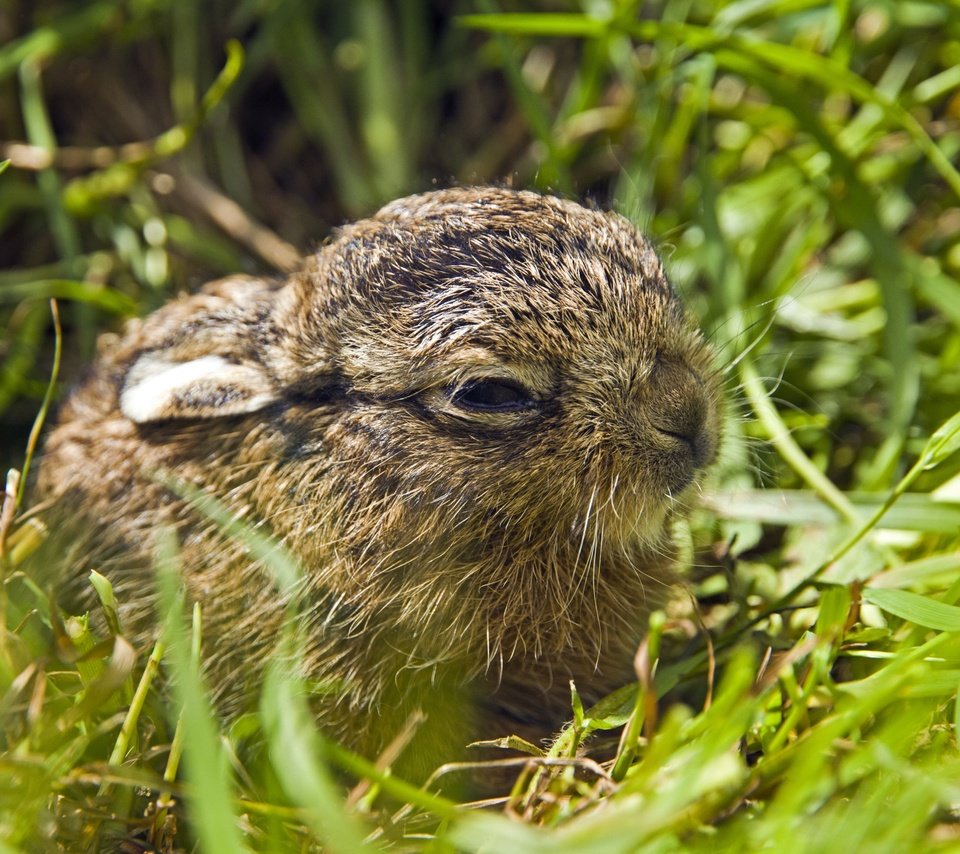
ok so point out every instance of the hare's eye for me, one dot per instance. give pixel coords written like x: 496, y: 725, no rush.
x: 492, y: 396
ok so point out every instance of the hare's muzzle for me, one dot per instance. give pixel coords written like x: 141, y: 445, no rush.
x: 680, y: 412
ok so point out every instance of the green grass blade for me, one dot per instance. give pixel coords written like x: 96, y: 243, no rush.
x: 914, y: 511
x: 296, y: 751
x: 89, y: 293
x: 45, y: 404
x: 921, y: 610
x: 210, y: 798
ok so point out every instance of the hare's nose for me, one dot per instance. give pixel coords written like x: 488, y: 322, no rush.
x: 679, y: 408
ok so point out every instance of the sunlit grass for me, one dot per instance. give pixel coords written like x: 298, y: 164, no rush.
x: 795, y: 164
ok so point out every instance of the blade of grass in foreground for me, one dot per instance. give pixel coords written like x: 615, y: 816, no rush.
x: 282, y: 566
x: 296, y: 754
x: 914, y: 511
x: 209, y: 797
x: 921, y: 610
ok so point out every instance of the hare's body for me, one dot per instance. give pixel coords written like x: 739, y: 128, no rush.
x: 471, y: 418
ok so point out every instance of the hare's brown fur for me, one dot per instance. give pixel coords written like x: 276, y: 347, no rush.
x: 468, y: 559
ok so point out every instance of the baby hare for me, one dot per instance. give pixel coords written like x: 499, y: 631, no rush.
x: 472, y: 418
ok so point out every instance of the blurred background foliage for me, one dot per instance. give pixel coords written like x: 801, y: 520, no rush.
x: 794, y: 160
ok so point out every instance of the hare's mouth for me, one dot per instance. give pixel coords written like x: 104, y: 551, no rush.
x: 684, y: 453
x: 678, y: 465
x: 695, y: 445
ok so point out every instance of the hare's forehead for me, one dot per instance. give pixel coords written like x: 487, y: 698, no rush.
x: 470, y: 328
x: 529, y: 310
x: 510, y: 292
x: 527, y: 292
x: 549, y: 256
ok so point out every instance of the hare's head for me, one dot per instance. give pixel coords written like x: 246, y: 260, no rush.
x: 517, y: 359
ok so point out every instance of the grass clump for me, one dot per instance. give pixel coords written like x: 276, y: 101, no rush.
x: 795, y: 162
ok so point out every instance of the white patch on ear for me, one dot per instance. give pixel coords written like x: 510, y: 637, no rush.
x: 209, y: 387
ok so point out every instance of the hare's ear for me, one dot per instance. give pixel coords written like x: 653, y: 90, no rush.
x: 159, y: 389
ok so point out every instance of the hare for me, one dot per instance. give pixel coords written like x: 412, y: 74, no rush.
x: 472, y: 418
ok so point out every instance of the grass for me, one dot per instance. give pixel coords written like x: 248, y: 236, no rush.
x: 795, y: 163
